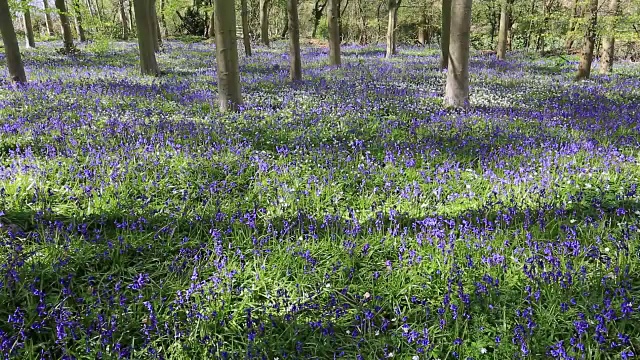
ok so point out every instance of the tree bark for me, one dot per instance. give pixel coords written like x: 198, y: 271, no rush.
x: 572, y: 25
x: 422, y: 28
x: 504, y: 28
x: 212, y: 25
x: 334, y: 33
x: 363, y: 37
x: 123, y: 18
x: 393, y: 6
x: 264, y: 21
x: 28, y: 29
x: 229, y: 91
x: 163, y: 20
x: 294, y: 41
x: 92, y: 13
x: 285, y: 29
x: 131, y: 16
x: 246, y: 39
x: 64, y: 23
x: 78, y: 17
x: 47, y: 18
x: 608, y: 42
x: 155, y: 24
x: 11, y: 47
x: 445, y: 34
x: 317, y: 15
x: 457, y: 89
x: 584, y: 68
x: 146, y: 37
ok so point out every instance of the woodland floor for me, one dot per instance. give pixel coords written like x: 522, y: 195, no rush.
x: 347, y: 216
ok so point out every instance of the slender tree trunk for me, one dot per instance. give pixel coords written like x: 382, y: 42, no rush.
x: 285, y: 29
x: 28, y: 29
x: 527, y: 39
x: 393, y: 6
x: 99, y: 7
x: 212, y: 25
x: 146, y: 37
x: 156, y: 27
x: 163, y: 21
x: 457, y: 90
x: 317, y: 15
x: 572, y: 25
x: 422, y: 28
x: 131, y: 16
x: 334, y: 33
x: 64, y: 23
x: 229, y: 91
x: 79, y: 28
x: 123, y: 18
x: 264, y: 21
x: 11, y: 47
x: 363, y: 38
x: 341, y: 17
x: 294, y: 41
x: 608, y: 46
x: 584, y: 68
x: 445, y: 34
x: 47, y: 18
x: 246, y: 39
x: 92, y: 13
x: 504, y: 28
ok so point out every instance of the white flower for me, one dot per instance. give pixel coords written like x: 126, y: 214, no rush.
x: 483, y: 351
x: 415, y: 357
x: 606, y: 249
x: 390, y: 355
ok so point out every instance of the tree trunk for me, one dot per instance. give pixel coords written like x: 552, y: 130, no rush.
x: 11, y: 47
x: 317, y: 15
x: 163, y: 21
x: 391, y: 27
x: 572, y: 25
x: 99, y: 8
x: 334, y: 33
x: 584, y: 68
x: 229, y: 90
x: 608, y: 45
x: 156, y: 27
x: 92, y: 13
x: 123, y: 18
x: 363, y: 38
x: 294, y: 41
x: 341, y: 17
x: 445, y: 34
x: 504, y: 28
x: 28, y: 29
x: 79, y: 28
x: 422, y: 28
x: 285, y: 29
x: 64, y: 23
x: 131, y: 16
x: 264, y: 21
x: 47, y: 18
x: 146, y: 37
x: 457, y: 90
x: 246, y: 39
x: 212, y: 25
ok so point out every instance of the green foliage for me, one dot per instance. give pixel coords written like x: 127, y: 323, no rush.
x: 193, y: 21
x: 100, y: 46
